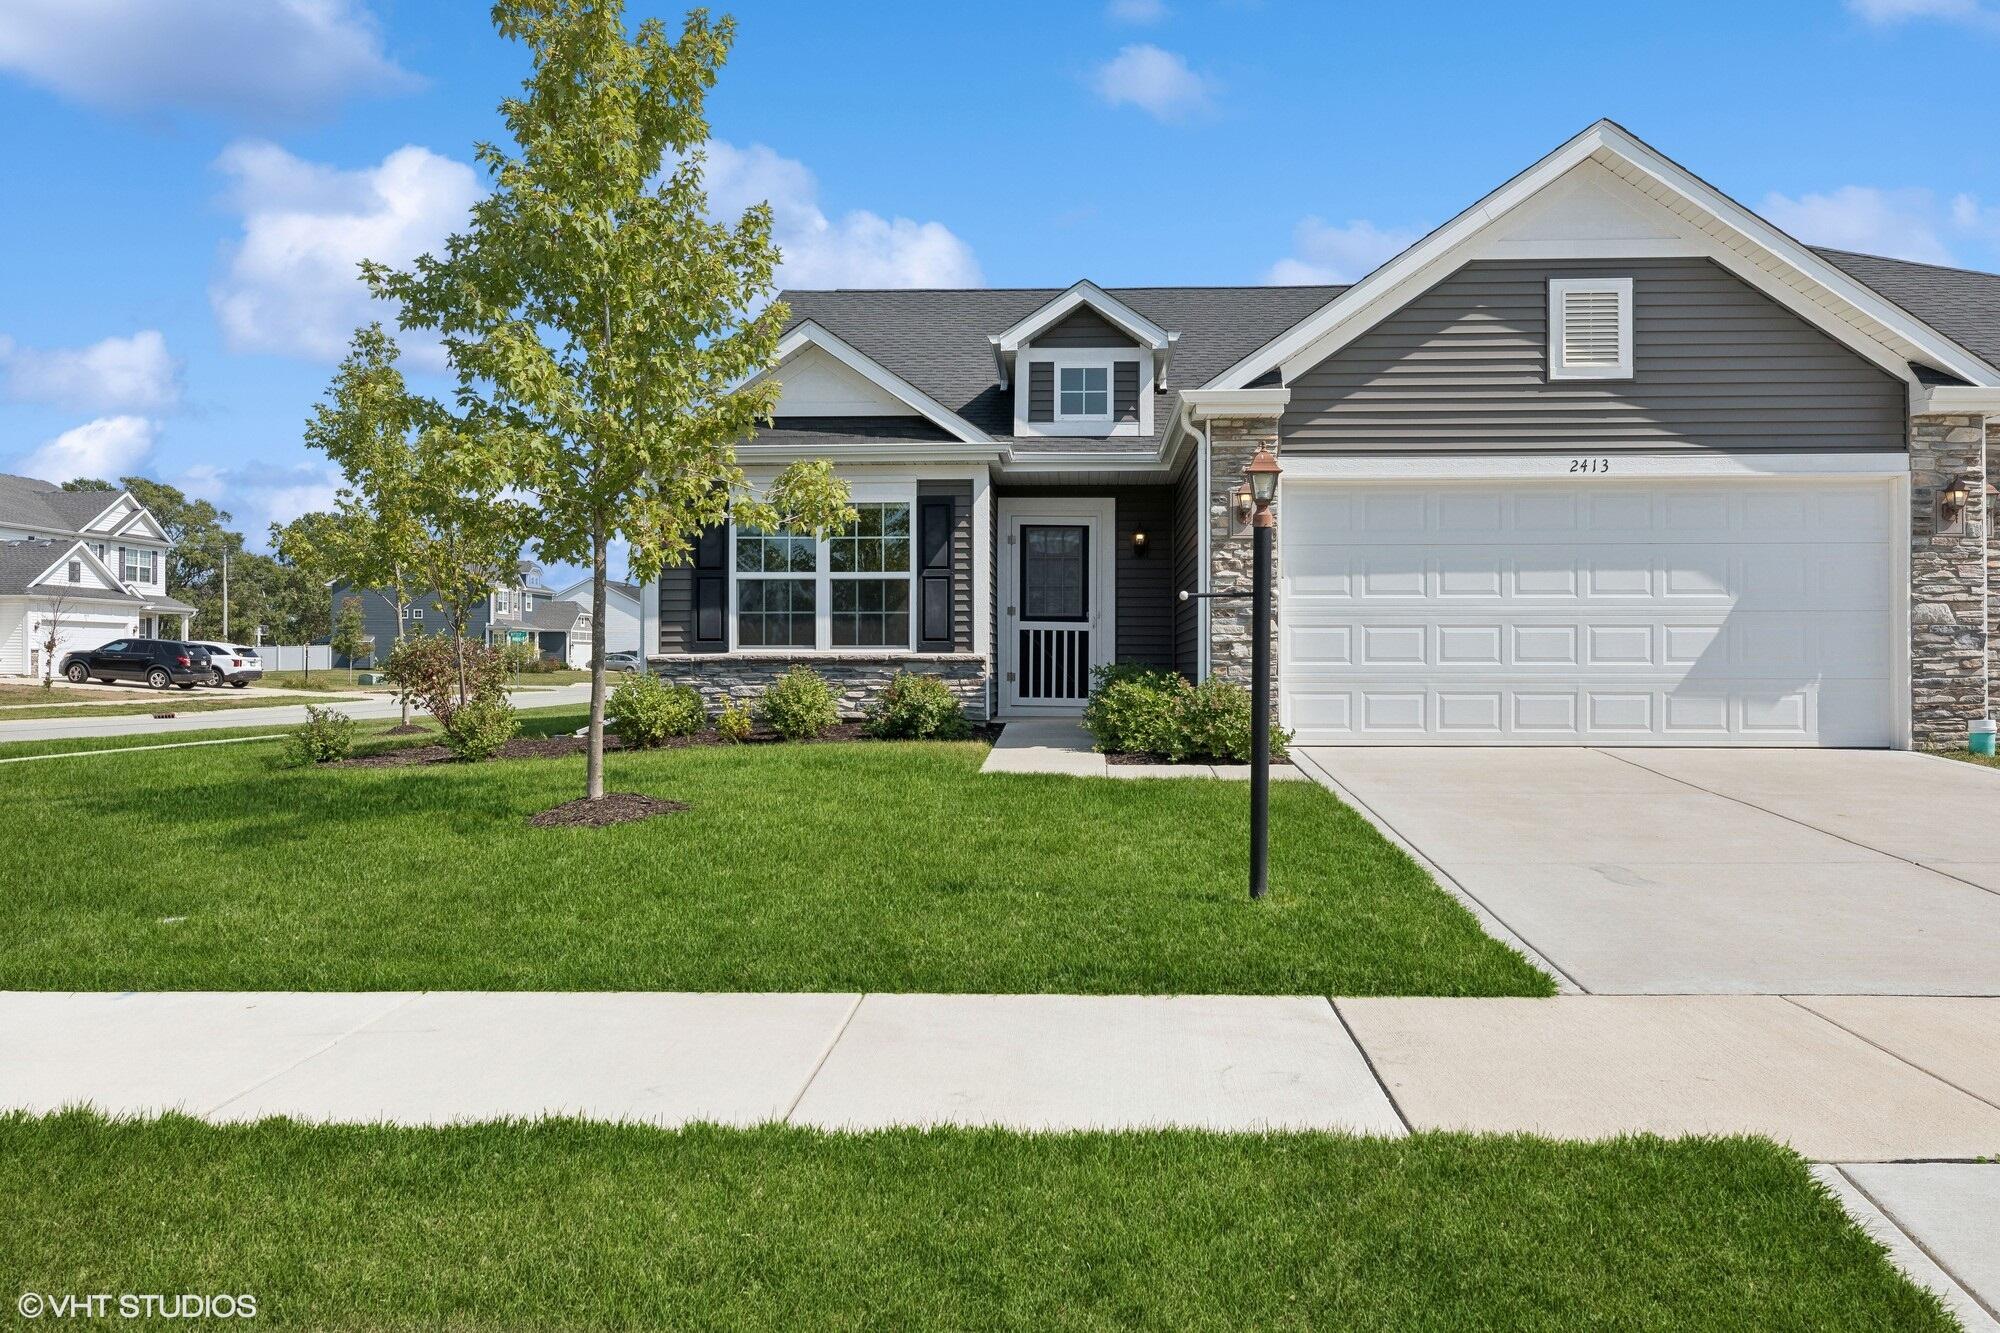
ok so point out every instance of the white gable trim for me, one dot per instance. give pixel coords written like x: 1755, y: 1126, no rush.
x: 114, y: 586
x: 120, y: 498
x: 1744, y: 243
x: 1143, y: 331
x: 143, y: 521
x: 809, y: 334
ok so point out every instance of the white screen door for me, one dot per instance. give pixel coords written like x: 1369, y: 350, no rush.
x: 1056, y: 612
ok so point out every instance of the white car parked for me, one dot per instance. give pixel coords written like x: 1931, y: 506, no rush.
x: 232, y: 664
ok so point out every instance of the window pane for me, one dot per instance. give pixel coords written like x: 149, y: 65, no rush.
x: 877, y: 543
x: 1054, y: 566
x: 774, y: 613
x: 871, y: 613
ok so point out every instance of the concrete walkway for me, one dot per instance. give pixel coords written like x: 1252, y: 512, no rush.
x: 384, y: 706
x: 1061, y: 745
x: 1771, y: 872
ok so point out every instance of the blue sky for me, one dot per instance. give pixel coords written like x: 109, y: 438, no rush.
x: 190, y: 181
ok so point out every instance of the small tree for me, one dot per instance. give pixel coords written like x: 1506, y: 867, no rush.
x: 596, y: 313
x: 350, y: 635
x: 54, y: 606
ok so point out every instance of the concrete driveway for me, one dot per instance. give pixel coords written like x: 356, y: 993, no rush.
x: 1710, y: 871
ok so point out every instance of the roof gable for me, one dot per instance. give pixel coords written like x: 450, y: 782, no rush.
x: 810, y: 335
x: 1601, y: 222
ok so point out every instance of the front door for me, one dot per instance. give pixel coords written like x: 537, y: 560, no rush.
x: 1056, y: 591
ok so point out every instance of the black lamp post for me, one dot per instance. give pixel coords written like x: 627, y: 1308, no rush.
x: 1262, y: 473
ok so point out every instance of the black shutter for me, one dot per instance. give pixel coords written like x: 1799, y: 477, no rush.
x: 934, y: 523
x: 711, y: 586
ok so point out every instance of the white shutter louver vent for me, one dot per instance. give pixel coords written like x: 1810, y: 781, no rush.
x: 1590, y: 328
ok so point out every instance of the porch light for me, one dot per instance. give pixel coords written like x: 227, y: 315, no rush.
x: 1138, y: 545
x: 1241, y: 495
x: 1263, y: 477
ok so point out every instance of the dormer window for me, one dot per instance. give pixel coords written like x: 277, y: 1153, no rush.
x: 1084, y: 394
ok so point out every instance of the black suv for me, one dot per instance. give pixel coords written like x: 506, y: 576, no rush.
x: 158, y: 662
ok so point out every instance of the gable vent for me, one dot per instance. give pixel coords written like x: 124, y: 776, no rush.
x: 1590, y: 328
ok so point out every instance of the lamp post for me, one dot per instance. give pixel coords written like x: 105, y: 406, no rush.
x: 1262, y: 474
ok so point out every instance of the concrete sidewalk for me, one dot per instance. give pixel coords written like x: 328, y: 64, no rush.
x: 1863, y: 1080
x: 141, y: 724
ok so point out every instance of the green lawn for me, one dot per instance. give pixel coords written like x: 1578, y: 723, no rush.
x: 161, y: 701
x: 566, y: 1225
x: 872, y: 866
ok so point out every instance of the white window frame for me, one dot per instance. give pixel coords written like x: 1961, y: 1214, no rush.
x: 822, y: 577
x: 1084, y: 369
x: 1559, y: 290
x: 1091, y: 427
x: 149, y: 571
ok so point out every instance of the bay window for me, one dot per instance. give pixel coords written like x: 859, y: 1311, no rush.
x: 851, y: 590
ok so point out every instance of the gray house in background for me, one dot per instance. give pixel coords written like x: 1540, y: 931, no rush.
x: 1606, y: 459
x: 522, y: 611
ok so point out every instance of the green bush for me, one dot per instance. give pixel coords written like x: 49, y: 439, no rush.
x: 733, y: 723
x: 645, y: 711
x: 1144, y: 711
x: 516, y: 658
x: 479, y: 728
x: 916, y: 707
x: 799, y: 705
x: 327, y: 734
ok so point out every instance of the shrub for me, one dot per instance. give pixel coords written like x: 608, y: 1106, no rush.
x: 1140, y: 711
x: 799, y: 705
x: 440, y: 674
x: 479, y: 728
x: 733, y: 723
x: 327, y: 734
x: 645, y: 711
x: 516, y: 658
x: 917, y: 707
x: 1134, y: 710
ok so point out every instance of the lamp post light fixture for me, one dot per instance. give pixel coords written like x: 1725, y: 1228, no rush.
x: 1262, y: 474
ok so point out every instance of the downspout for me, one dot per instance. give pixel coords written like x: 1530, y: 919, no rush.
x: 1201, y: 573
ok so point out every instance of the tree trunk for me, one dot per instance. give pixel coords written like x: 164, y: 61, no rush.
x: 402, y: 629
x: 594, y: 765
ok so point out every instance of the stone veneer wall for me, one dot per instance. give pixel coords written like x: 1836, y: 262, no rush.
x: 1950, y: 610
x: 857, y: 679
x: 1232, y: 443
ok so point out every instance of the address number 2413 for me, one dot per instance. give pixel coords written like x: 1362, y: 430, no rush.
x: 1589, y: 465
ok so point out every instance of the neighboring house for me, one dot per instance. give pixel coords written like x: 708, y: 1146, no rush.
x: 621, y: 612
x: 522, y: 610
x: 1605, y: 459
x: 90, y: 564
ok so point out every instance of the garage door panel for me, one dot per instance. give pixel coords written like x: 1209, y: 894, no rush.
x: 1734, y: 612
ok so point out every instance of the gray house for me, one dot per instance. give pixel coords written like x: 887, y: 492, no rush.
x: 520, y: 610
x: 1605, y: 459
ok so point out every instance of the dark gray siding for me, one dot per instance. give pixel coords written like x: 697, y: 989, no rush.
x: 1082, y: 327
x: 1125, y: 390
x: 378, y: 617
x: 1145, y: 584
x: 1189, y: 512
x: 1717, y: 365
x: 960, y: 494
x: 1041, y: 391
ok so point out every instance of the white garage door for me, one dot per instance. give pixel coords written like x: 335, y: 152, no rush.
x: 1646, y: 612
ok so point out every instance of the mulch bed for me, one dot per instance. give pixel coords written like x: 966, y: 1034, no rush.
x: 562, y: 747
x: 406, y: 729
x: 1127, y: 757
x: 616, y: 807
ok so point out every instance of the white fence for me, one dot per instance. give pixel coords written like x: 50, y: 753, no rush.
x: 295, y: 657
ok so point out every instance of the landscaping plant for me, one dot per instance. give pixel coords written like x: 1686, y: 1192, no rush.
x: 645, y: 711
x: 326, y: 735
x: 443, y: 675
x: 733, y: 722
x: 478, y: 728
x: 1136, y: 710
x: 916, y: 707
x: 800, y: 705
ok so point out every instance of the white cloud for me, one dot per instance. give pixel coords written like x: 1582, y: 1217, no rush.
x: 1325, y: 253
x: 1903, y: 224
x: 858, y: 249
x: 257, y: 495
x: 1157, y: 82
x: 134, y: 373
x: 1902, y: 11
x: 1136, y: 11
x: 262, y: 59
x: 109, y: 447
x: 292, y: 282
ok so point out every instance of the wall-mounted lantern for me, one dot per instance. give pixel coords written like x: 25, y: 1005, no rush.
x: 1139, y: 546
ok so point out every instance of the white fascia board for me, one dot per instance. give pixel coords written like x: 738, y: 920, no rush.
x: 905, y: 451
x: 1208, y: 404
x: 1503, y: 467
x: 79, y: 548
x: 1143, y: 330
x: 142, y: 520
x: 1384, y: 290
x: 1082, y: 462
x: 1954, y: 399
x: 808, y: 333
x: 116, y: 500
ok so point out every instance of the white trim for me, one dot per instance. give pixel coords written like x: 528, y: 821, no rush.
x: 116, y: 500
x: 876, y: 491
x: 1953, y: 400
x: 79, y: 546
x: 1104, y: 366
x: 1106, y: 427
x: 1208, y: 404
x: 1560, y: 290
x: 1143, y: 330
x: 138, y: 517
x: 982, y: 566
x: 1506, y: 467
x: 807, y: 333
x: 1204, y: 484
x: 898, y: 451
x: 1101, y: 512
x: 1788, y: 265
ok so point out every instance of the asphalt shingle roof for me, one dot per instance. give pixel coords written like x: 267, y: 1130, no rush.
x: 936, y: 338
x: 1961, y: 303
x: 32, y: 503
x: 22, y: 561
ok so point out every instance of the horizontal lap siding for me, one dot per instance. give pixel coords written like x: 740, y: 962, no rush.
x: 1187, y: 565
x: 1717, y: 365
x: 1083, y: 327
